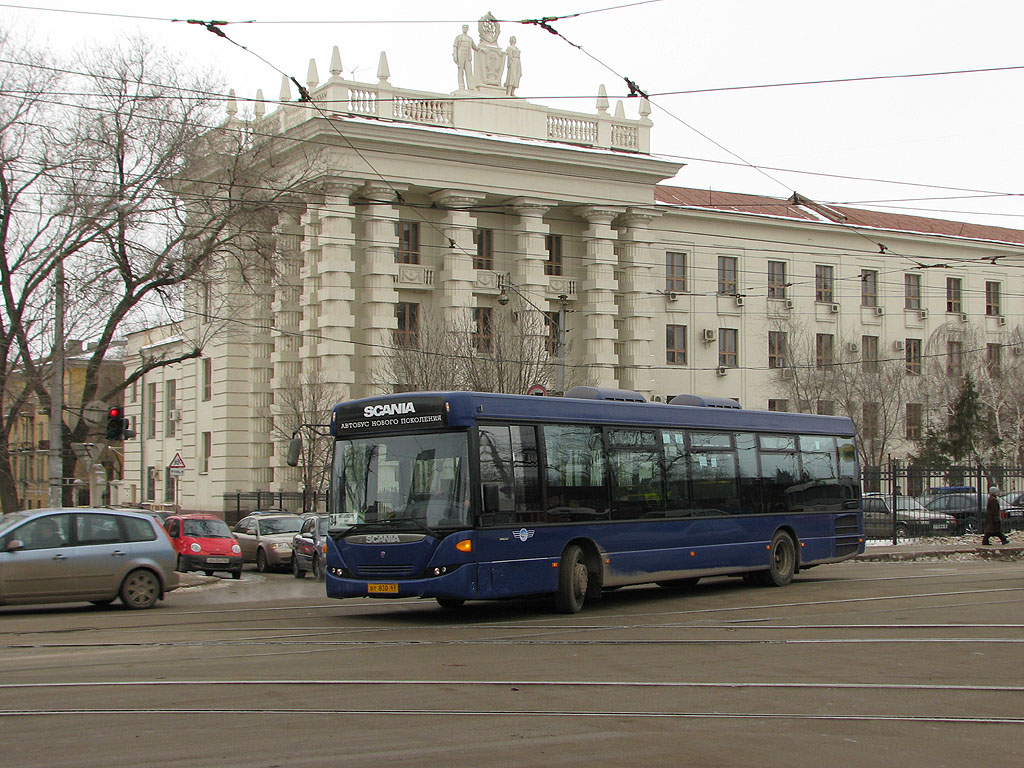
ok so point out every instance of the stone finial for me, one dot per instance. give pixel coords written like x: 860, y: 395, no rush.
x: 336, y: 69
x: 286, y: 89
x: 232, y: 106
x: 259, y: 108
x: 312, y: 76
x: 602, y: 100
x: 620, y: 111
x: 383, y: 73
x: 645, y: 107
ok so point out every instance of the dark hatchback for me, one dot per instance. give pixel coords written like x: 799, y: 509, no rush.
x: 308, y: 547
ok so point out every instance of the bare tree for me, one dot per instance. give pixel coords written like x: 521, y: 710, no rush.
x: 117, y: 171
x: 308, y: 401
x: 510, y: 350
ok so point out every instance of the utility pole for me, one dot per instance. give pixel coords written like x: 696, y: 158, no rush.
x: 56, y: 463
x: 563, y: 302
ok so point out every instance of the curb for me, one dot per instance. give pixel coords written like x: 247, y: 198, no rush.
x: 1010, y: 552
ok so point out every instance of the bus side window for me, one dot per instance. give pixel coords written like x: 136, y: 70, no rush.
x: 780, y: 472
x: 510, y: 487
x: 751, y: 502
x: 677, y: 481
x: 575, y: 473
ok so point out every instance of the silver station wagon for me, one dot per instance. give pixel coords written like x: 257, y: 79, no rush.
x: 84, y: 554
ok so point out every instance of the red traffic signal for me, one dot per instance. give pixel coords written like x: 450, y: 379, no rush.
x: 117, y: 424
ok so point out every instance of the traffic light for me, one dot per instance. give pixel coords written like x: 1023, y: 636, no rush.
x: 117, y: 424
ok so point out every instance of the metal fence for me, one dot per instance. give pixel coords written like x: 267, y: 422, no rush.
x: 241, y: 503
x: 903, y: 501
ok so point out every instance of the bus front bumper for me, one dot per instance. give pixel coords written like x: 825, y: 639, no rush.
x: 460, y: 583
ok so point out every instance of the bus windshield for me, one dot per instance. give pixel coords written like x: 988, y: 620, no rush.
x: 421, y: 478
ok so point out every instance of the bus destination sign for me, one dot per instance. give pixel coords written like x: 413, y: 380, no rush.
x: 400, y: 414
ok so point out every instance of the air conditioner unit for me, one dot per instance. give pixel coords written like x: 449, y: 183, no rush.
x: 710, y: 334
x: 671, y: 296
x: 1002, y: 320
x: 1016, y: 350
x: 739, y: 301
x: 789, y: 303
x: 898, y: 345
x: 923, y: 313
x: 879, y: 310
x: 787, y: 373
x: 174, y: 415
x: 722, y: 370
x: 852, y: 347
x: 963, y: 317
x: 834, y: 309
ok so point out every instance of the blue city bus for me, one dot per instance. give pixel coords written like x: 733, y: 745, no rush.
x: 474, y: 496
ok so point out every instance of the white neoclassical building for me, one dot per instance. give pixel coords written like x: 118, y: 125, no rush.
x: 434, y: 204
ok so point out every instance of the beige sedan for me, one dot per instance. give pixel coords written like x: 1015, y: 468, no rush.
x: 267, y: 540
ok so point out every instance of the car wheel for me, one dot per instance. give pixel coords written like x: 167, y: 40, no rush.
x: 781, y: 562
x: 140, y: 589
x: 572, y: 581
x: 180, y: 566
x: 318, y: 568
x: 297, y: 572
x: 208, y: 573
x: 902, y: 532
x: 236, y: 575
x: 261, y: 561
x: 971, y: 525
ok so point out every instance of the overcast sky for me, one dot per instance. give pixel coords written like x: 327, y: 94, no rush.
x: 960, y: 133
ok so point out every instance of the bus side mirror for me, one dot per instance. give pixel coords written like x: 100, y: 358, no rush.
x: 294, y: 451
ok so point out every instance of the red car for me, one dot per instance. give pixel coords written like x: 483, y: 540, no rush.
x: 204, y: 543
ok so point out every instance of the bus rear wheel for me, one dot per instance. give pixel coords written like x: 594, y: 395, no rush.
x: 573, y: 580
x: 781, y: 562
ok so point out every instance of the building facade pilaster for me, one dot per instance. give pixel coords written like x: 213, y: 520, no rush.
x: 457, y: 274
x: 598, y: 295
x: 637, y: 288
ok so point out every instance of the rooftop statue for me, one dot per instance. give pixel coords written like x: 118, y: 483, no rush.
x: 481, y: 65
x: 462, y: 54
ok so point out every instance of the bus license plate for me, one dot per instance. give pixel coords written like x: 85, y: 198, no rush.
x: 382, y: 589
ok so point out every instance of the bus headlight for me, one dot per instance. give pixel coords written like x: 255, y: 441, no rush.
x: 441, y: 570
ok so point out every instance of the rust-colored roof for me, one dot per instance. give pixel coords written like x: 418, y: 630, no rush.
x: 857, y: 217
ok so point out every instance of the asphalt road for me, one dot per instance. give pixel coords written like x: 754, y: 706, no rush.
x: 858, y: 664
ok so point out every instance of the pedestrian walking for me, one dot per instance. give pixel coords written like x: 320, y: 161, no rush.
x: 993, y: 519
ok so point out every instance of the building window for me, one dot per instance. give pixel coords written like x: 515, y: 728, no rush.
x: 869, y: 352
x: 206, y: 298
x: 151, y: 411
x: 675, y: 344
x: 150, y: 483
x: 869, y: 421
x: 824, y: 349
x: 954, y: 294
x: 912, y: 349
x: 955, y: 358
x: 778, y: 405
x: 727, y: 273
x: 170, y: 406
x: 483, y: 239
x: 776, y: 280
x: 824, y: 283
x: 728, y: 347
x: 407, y: 332
x: 825, y: 408
x: 483, y: 337
x: 135, y: 391
x: 553, y: 244
x: 207, y: 379
x: 207, y: 452
x: 994, y: 360
x: 992, y: 299
x: 408, y: 242
x: 869, y: 288
x: 675, y: 272
x: 912, y: 291
x: 169, y: 481
x: 914, y: 419
x: 776, y: 349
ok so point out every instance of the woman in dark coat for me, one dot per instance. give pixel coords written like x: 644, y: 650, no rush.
x: 993, y: 521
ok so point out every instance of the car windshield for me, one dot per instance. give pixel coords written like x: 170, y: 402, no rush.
x: 207, y: 529
x: 422, y: 478
x: 9, y: 521
x: 273, y: 525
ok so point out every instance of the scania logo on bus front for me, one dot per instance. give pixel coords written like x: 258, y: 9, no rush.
x: 388, y: 409
x: 382, y: 538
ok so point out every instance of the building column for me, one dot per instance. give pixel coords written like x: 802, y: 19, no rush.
x: 527, y: 271
x: 598, y: 295
x: 637, y: 288
x: 375, y: 277
x: 457, y: 274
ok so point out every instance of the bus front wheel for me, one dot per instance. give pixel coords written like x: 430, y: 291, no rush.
x: 573, y: 580
x: 781, y: 562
